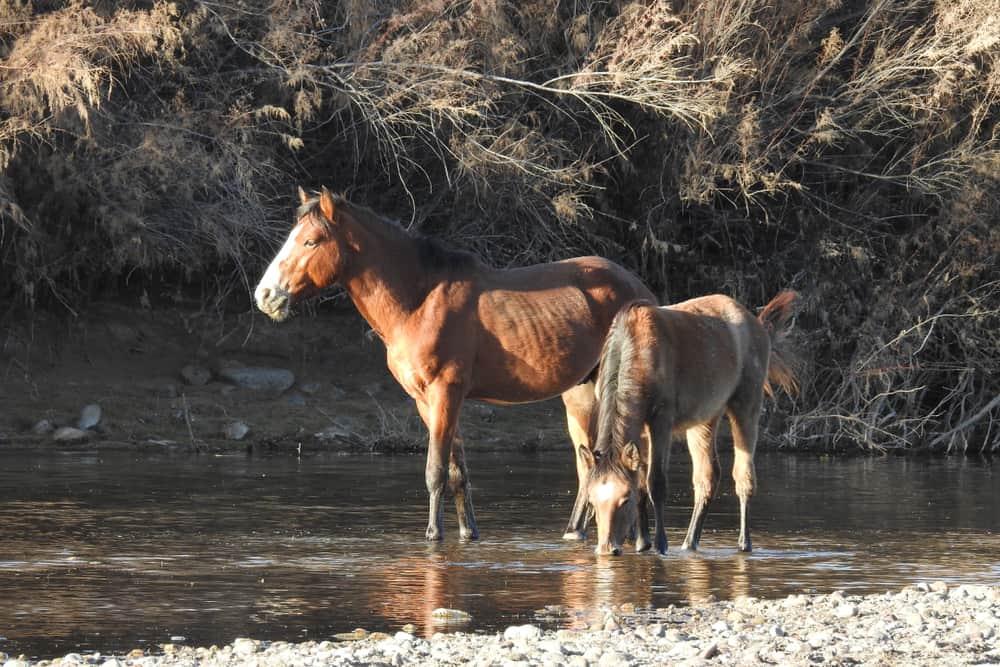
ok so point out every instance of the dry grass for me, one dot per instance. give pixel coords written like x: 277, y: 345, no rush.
x: 848, y: 150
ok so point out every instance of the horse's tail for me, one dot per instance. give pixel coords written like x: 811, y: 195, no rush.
x: 615, y: 385
x: 776, y: 317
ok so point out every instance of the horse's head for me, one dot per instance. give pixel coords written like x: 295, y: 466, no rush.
x: 612, y: 486
x: 310, y: 260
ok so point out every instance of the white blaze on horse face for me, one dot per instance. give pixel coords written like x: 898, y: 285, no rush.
x: 270, y: 289
x: 604, y: 492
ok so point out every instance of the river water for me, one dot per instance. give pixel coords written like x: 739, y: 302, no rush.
x: 117, y: 550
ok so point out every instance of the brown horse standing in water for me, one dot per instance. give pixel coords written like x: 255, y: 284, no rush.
x: 455, y: 329
x: 678, y: 369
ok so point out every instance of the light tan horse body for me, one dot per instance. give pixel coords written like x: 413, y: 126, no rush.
x: 455, y: 329
x: 677, y: 370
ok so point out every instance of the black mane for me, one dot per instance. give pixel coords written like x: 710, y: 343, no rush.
x: 434, y: 253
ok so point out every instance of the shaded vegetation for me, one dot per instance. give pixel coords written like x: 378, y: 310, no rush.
x: 847, y: 149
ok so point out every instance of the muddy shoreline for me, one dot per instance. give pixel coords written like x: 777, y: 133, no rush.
x: 173, y: 378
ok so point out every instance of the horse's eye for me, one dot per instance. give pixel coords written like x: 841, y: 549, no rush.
x: 623, y: 501
x: 310, y: 243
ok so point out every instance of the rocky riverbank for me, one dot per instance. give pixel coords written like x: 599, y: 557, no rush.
x: 926, y: 624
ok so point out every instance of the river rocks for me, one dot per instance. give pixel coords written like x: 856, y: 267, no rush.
x: 236, y: 430
x: 846, y: 610
x: 243, y: 646
x: 526, y: 632
x: 69, y: 434
x: 958, y: 629
x: 90, y: 416
x: 259, y: 378
x: 195, y: 375
x: 43, y: 427
x: 449, y: 616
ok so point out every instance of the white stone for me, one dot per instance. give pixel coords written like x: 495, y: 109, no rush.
x: 235, y: 430
x: 69, y: 434
x: 90, y: 417
x: 244, y: 646
x: 846, y: 610
x: 526, y: 632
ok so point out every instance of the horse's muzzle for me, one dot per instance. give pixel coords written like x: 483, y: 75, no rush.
x: 273, y: 302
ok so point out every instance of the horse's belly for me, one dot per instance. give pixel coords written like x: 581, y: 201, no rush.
x: 515, y: 382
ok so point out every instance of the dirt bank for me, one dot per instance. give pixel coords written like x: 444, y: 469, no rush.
x: 172, y: 377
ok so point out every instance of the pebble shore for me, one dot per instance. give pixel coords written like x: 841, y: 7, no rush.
x: 925, y: 624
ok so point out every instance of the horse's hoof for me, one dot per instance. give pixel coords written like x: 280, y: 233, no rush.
x: 689, y: 547
x: 574, y: 535
x: 745, y: 548
x: 433, y: 534
x: 467, y: 535
x: 642, y: 545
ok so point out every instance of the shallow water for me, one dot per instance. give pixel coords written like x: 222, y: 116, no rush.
x: 115, y: 550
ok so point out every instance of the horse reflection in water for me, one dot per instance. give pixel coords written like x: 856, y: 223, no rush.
x: 678, y: 369
x: 455, y: 329
x: 596, y: 585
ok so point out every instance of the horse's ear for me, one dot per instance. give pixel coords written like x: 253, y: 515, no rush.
x: 586, y: 455
x: 303, y: 196
x: 326, y: 203
x: 630, y: 457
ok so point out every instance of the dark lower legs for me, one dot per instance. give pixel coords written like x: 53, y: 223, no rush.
x: 658, y: 439
x: 458, y: 481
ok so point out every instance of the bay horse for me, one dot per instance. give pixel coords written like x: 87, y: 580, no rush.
x: 456, y: 329
x: 676, y: 370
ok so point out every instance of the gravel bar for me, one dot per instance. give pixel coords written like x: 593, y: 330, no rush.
x: 926, y: 624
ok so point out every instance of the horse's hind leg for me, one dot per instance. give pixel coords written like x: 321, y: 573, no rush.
x: 743, y: 419
x: 580, y: 403
x: 704, y: 477
x: 458, y: 481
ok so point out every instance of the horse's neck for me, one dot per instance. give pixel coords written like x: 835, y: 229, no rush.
x: 386, y: 281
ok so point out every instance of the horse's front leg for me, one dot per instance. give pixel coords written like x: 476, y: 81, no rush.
x: 439, y: 410
x: 579, y: 402
x: 642, y: 542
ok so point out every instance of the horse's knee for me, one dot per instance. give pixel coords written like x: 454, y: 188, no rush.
x: 436, y: 478
x: 456, y: 478
x: 705, y: 484
x: 745, y: 480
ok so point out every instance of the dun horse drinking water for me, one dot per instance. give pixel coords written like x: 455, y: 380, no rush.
x: 678, y: 369
x: 455, y: 329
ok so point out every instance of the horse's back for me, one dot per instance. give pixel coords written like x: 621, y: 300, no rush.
x: 597, y: 276
x: 716, y: 348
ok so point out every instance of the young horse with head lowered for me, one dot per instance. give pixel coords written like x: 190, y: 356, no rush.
x: 455, y: 329
x: 678, y: 369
